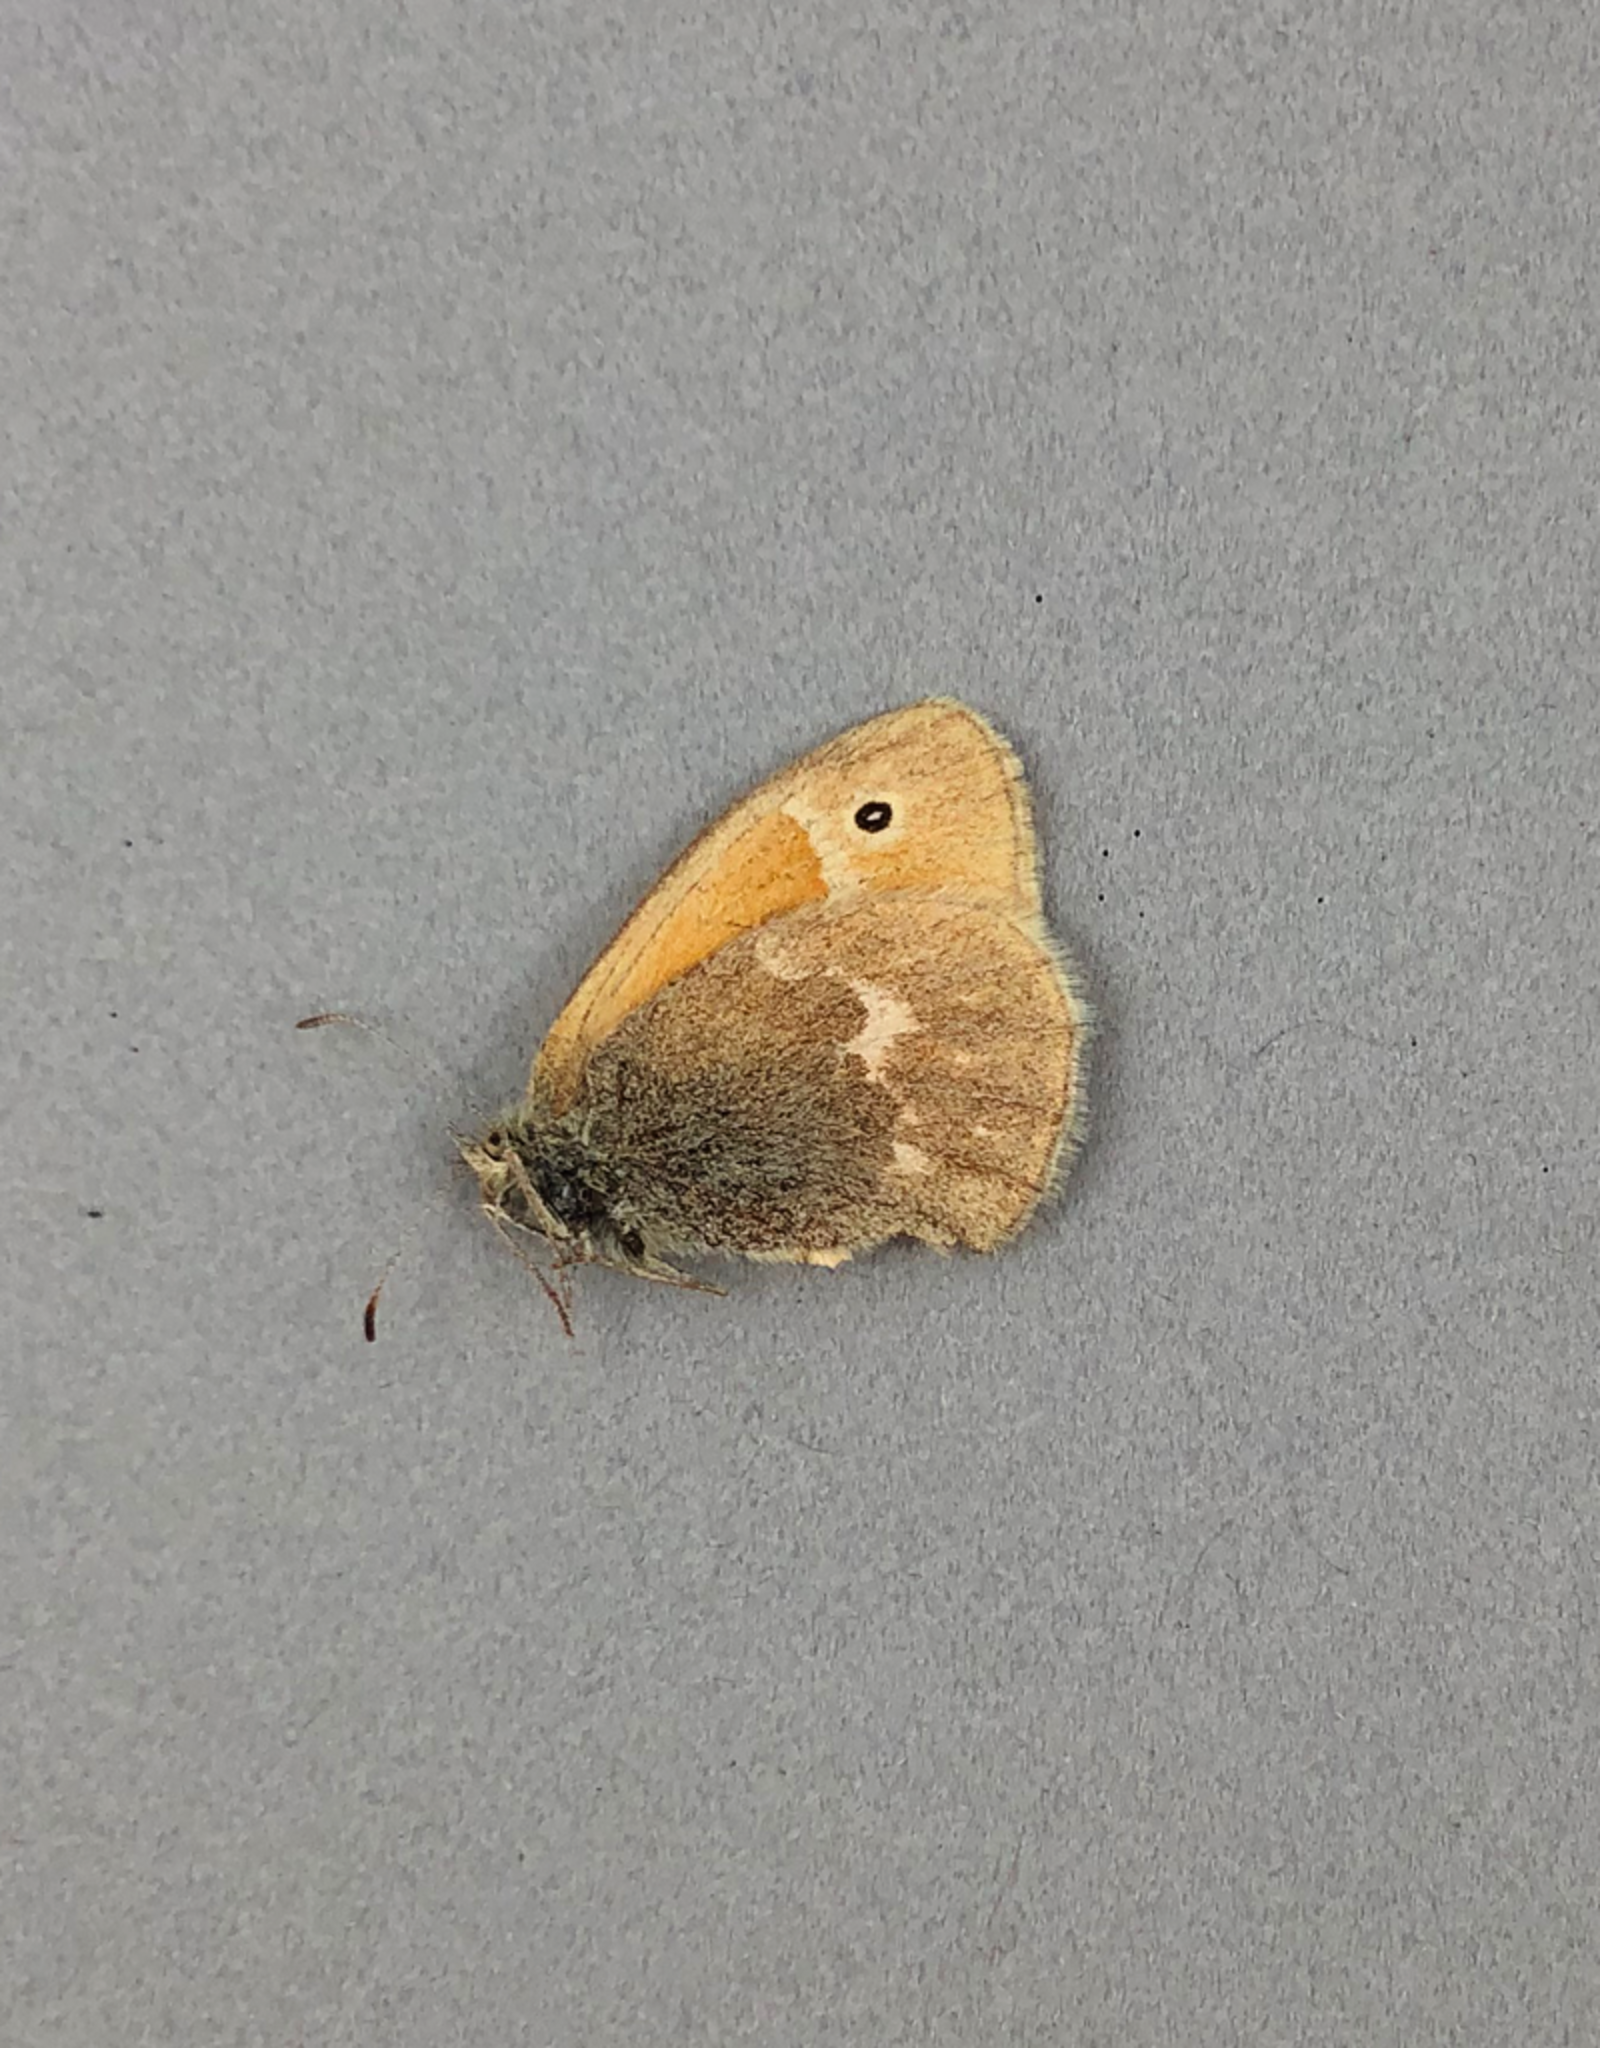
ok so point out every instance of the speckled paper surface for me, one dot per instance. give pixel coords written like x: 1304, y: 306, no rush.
x: 447, y: 457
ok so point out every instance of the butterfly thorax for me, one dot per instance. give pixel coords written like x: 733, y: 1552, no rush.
x: 535, y: 1172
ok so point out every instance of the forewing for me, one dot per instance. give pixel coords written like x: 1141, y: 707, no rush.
x: 959, y: 826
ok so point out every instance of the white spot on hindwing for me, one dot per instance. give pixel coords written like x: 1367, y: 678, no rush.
x: 888, y: 1019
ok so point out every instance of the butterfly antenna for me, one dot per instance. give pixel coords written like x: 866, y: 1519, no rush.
x: 369, y: 1315
x: 397, y: 1046
x: 401, y: 1051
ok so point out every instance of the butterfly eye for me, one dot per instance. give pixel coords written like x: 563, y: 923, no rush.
x: 873, y: 817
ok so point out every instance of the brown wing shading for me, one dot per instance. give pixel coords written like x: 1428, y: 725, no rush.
x: 887, y: 1066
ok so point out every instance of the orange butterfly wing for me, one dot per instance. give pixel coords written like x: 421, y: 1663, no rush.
x: 960, y: 827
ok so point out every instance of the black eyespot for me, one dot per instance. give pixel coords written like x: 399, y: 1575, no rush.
x: 873, y: 817
x: 632, y: 1244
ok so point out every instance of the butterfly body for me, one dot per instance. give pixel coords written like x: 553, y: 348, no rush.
x: 838, y: 1019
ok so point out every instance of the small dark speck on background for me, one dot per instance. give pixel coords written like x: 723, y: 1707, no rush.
x: 94, y: 1214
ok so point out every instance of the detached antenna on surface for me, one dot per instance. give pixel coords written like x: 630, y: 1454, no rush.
x: 369, y: 1315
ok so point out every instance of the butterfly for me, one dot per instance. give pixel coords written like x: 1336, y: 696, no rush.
x: 838, y: 1018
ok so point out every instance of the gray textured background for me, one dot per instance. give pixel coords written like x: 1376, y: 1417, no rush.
x: 447, y: 455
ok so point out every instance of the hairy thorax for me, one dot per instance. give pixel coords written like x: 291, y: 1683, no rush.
x: 539, y: 1174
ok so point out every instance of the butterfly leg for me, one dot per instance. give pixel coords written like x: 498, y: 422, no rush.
x: 559, y: 1300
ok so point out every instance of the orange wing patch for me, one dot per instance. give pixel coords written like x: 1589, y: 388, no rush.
x: 769, y: 868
